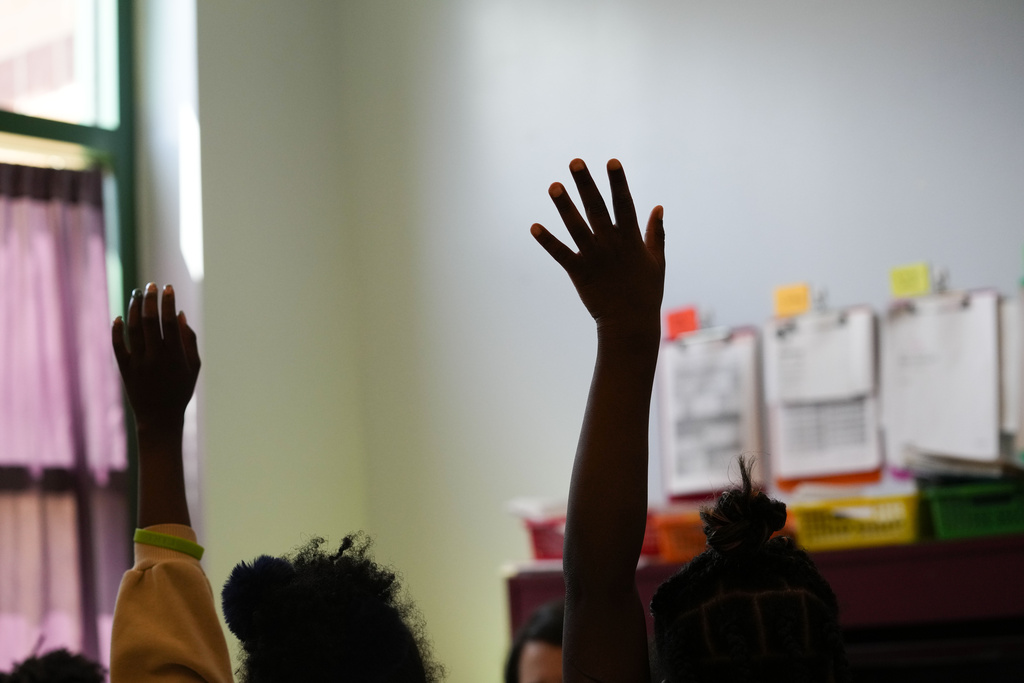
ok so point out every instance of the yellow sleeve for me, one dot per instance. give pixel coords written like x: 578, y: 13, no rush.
x: 165, y: 624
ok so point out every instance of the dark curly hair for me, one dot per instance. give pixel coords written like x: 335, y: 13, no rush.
x: 326, y: 616
x: 58, y: 666
x: 544, y: 625
x: 750, y: 607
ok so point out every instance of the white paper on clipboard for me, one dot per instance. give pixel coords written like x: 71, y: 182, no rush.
x: 708, y: 399
x: 821, y: 389
x: 940, y: 378
x: 826, y: 357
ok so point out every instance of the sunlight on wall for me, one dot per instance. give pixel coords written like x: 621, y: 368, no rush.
x: 190, y: 192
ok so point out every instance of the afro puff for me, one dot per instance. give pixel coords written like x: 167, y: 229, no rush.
x: 249, y: 587
x: 325, y: 616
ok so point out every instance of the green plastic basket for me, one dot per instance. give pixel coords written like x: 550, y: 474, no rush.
x: 977, y: 509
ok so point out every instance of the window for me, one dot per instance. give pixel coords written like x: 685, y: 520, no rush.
x: 66, y: 99
x: 58, y: 60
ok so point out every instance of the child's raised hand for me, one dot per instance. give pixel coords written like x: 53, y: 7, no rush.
x: 160, y: 371
x: 619, y: 275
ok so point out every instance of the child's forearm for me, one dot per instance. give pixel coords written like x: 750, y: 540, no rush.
x: 608, y: 493
x: 161, y: 477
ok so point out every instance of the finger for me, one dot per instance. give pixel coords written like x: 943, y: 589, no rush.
x: 593, y: 203
x: 574, y: 223
x: 168, y: 318
x: 135, y: 337
x: 151, y: 319
x: 562, y: 254
x: 654, y: 236
x: 120, y: 350
x: 622, y: 200
x: 190, y: 343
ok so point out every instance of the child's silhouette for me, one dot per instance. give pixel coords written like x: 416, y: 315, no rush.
x: 320, y: 615
x: 748, y: 608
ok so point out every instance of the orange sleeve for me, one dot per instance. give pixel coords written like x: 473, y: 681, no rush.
x: 165, y: 624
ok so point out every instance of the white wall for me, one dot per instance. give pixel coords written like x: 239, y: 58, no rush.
x: 283, y: 452
x: 388, y: 348
x: 787, y: 140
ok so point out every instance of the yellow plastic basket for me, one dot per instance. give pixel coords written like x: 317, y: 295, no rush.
x: 856, y: 522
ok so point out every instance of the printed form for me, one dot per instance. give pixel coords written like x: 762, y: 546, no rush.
x: 821, y: 390
x: 709, y: 410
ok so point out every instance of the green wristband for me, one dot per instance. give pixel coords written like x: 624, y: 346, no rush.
x: 182, y: 545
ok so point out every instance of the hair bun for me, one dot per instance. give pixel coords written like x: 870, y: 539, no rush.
x: 742, y: 519
x: 248, y: 587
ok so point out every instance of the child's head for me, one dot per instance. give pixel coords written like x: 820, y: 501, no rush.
x: 322, y: 616
x: 750, y: 607
x: 536, y: 653
x: 59, y: 666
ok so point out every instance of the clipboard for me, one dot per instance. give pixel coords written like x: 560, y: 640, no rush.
x: 709, y: 408
x: 941, y: 378
x: 821, y: 388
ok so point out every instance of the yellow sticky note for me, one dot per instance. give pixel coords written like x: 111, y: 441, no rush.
x: 792, y: 300
x: 910, y: 280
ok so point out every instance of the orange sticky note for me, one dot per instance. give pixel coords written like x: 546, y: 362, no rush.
x: 910, y: 280
x: 792, y: 300
x: 680, y: 321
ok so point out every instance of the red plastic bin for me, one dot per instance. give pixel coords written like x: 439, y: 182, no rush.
x: 548, y: 536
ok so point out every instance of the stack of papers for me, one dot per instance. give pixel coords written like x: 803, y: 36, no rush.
x: 942, y: 380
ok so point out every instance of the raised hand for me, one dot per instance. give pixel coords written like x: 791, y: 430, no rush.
x: 620, y: 277
x: 159, y: 371
x: 618, y: 274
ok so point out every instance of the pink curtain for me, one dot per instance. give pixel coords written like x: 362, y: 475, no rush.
x: 63, y: 525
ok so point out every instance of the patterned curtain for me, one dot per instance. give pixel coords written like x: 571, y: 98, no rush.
x: 63, y: 518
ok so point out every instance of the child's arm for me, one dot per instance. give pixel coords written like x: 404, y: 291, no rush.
x: 619, y: 275
x: 165, y: 624
x: 159, y: 374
